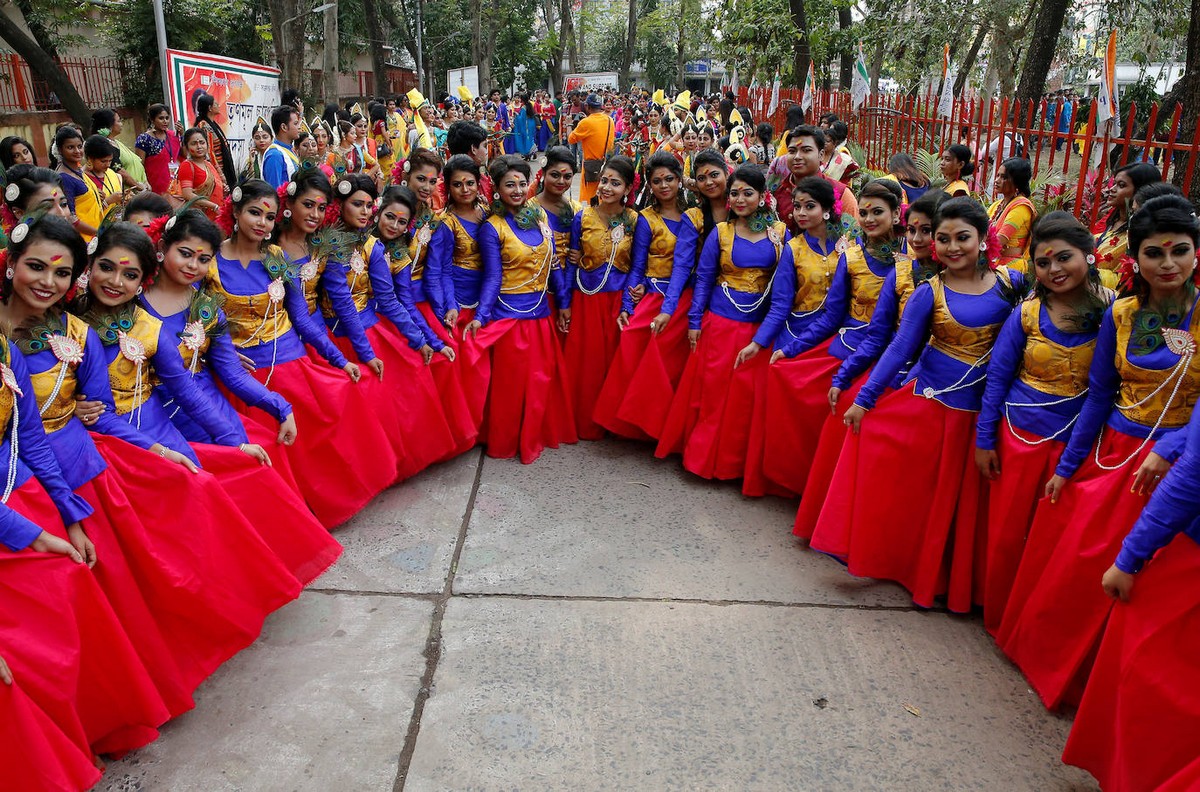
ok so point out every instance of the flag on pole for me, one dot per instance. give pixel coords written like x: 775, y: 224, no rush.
x: 810, y: 85
x: 946, y: 102
x: 860, y: 84
x: 1108, y: 108
x: 774, y: 96
x: 733, y: 86
x: 945, y: 61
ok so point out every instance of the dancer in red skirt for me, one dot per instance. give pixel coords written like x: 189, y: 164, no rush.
x: 410, y: 399
x: 528, y: 404
x: 1036, y: 386
x: 1142, y: 386
x: 554, y: 197
x: 339, y: 460
x: 598, y: 271
x: 1136, y: 727
x: 797, y: 393
x: 914, y: 265
x: 641, y: 380
x: 925, y: 431
x: 709, y: 421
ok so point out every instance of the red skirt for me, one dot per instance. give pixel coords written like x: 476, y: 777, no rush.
x: 825, y: 462
x: 66, y: 647
x: 1057, y: 610
x: 590, y: 349
x: 406, y: 400
x: 35, y: 753
x: 642, y: 378
x: 710, y: 416
x: 274, y: 510
x: 1138, y: 726
x: 452, y: 384
x: 908, y: 503
x: 475, y: 369
x: 529, y: 406
x: 1013, y: 498
x: 208, y: 577
x: 342, y: 456
x: 796, y: 404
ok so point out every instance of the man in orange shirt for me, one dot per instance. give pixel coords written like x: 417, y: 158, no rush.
x: 596, y: 134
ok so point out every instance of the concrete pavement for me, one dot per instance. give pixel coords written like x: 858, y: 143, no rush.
x: 601, y: 620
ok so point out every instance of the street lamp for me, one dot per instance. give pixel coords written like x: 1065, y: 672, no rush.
x: 318, y: 9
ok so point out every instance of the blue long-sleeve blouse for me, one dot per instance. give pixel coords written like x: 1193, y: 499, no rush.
x: 530, y: 302
x: 781, y: 315
x: 331, y: 285
x: 643, y: 237
x: 457, y: 254
x: 712, y: 292
x: 683, y: 267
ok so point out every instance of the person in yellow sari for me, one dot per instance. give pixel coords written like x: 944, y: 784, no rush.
x: 1013, y: 214
x: 1113, y: 241
x: 104, y: 190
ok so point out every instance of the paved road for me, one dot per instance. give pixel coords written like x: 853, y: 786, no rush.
x: 602, y: 621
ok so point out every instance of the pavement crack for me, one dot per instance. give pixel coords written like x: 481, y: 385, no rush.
x: 700, y: 601
x: 433, y: 644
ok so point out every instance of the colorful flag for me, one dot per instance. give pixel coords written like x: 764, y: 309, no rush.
x: 946, y: 101
x: 733, y: 86
x: 860, y: 85
x: 1108, y: 107
x: 810, y: 85
x: 774, y: 96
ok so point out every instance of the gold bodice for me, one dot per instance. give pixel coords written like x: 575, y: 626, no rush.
x: 865, y: 285
x: 58, y: 413
x: 661, y: 255
x: 814, y: 274
x: 965, y: 344
x: 418, y: 246
x: 1139, y: 385
x: 748, y: 280
x: 253, y: 319
x: 466, y: 250
x: 1048, y: 366
x: 596, y: 241
x: 130, y: 388
x: 524, y: 269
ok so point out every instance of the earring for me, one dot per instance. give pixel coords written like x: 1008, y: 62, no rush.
x: 287, y: 213
x: 825, y: 216
x: 762, y: 202
x: 982, y: 246
x: 139, y: 291
x: 9, y: 273
x: 235, y: 227
x: 1091, y: 259
x: 1136, y: 268
x: 496, y: 197
x: 159, y: 255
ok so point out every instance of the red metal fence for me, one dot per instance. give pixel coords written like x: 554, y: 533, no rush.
x: 1081, y: 159
x: 99, y: 81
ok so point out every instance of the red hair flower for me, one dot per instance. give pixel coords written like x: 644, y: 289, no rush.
x: 224, y: 219
x: 156, y: 228
x: 993, y: 248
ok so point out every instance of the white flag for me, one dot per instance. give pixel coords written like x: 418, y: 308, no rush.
x: 860, y: 85
x: 946, y: 103
x: 733, y: 86
x: 810, y: 84
x: 774, y: 96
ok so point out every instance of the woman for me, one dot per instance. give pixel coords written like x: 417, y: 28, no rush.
x: 647, y: 365
x: 104, y: 191
x: 554, y: 198
x: 200, y: 184
x: 158, y: 148
x: 904, y: 171
x: 598, y: 271
x: 1142, y: 385
x: 68, y: 162
x: 107, y: 123
x: 370, y: 265
x: 133, y: 480
x: 1036, y: 385
x: 956, y: 166
x: 339, y: 462
x: 838, y: 163
x: 709, y: 419
x: 914, y: 265
x: 16, y: 151
x: 1134, y: 729
x: 762, y: 153
x: 1013, y: 214
x: 1113, y: 241
x: 322, y: 134
x: 347, y: 158
x: 525, y: 124
x: 219, y: 153
x: 261, y: 137
x: 144, y: 208
x: 382, y: 139
x: 812, y: 350
x: 530, y: 408
x: 30, y: 187
x: 924, y: 432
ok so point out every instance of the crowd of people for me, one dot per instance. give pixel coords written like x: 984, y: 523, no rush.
x: 986, y: 406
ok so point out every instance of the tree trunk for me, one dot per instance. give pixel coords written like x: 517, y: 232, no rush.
x: 846, y: 66
x: 964, y: 71
x: 624, y: 79
x: 876, y: 65
x: 1189, y: 97
x: 680, y: 56
x: 41, y: 63
x: 287, y: 33
x: 801, y: 56
x: 1040, y: 55
x: 379, y: 34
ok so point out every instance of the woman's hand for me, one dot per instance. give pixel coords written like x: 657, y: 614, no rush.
x: 49, y: 543
x: 472, y: 328
x: 255, y: 451
x: 575, y: 256
x: 79, y: 540
x: 450, y: 319
x: 376, y: 365
x: 174, y: 456
x: 88, y: 411
x: 564, y: 320
x: 1118, y: 584
x: 5, y: 673
x: 988, y: 462
x: 247, y: 363
x: 352, y: 371
x: 834, y: 394
x: 1149, y: 474
x: 853, y: 417
x: 693, y: 339
x: 426, y: 353
x: 637, y: 293
x: 622, y: 320
x: 287, y: 430
x: 1054, y: 487
x: 748, y: 352
x: 659, y: 323
x: 447, y: 352
x: 778, y: 355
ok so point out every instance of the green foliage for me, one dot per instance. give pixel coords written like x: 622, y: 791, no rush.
x: 224, y: 27
x: 1142, y: 95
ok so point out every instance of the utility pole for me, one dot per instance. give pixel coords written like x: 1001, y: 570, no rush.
x: 160, y: 30
x: 329, y: 60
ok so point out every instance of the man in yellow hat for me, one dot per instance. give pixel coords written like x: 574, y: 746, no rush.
x: 421, y: 135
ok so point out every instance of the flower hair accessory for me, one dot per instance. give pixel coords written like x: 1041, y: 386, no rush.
x: 236, y: 194
x: 344, y: 188
x: 20, y: 232
x: 291, y: 189
x: 92, y: 245
x: 12, y: 192
x: 992, y: 249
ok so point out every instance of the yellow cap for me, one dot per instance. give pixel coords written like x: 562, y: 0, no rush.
x: 659, y: 98
x: 415, y: 99
x: 357, y: 108
x: 735, y: 117
x: 684, y: 101
x: 701, y: 116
